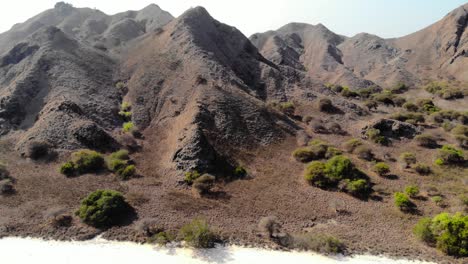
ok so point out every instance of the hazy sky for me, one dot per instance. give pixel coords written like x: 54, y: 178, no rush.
x: 386, y: 18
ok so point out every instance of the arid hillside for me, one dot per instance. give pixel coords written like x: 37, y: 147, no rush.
x: 332, y: 143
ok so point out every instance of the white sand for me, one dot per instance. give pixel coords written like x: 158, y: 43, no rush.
x: 26, y: 250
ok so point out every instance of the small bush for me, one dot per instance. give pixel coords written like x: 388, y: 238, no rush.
x: 410, y: 107
x: 120, y: 85
x: 126, y: 115
x: 386, y: 99
x: 426, y: 141
x: 399, y: 88
x: 68, y: 168
x: 336, y: 129
x: 422, y: 230
x: 161, y: 238
x: 319, y: 243
x: 381, y: 168
x: 87, y: 161
x: 437, y: 200
x: 402, y: 201
x: 332, y: 151
x: 359, y: 187
x: 404, y: 117
x: 103, y: 208
x: 364, y: 152
x: 371, y: 104
x: 203, y: 184
x: 325, y: 105
x: 116, y: 164
x: 338, y: 168
x: 38, y: 150
x: 121, y: 154
x: 412, y: 191
x: 450, y: 155
x: 126, y: 172
x: 315, y: 174
x: 352, y: 144
x: 407, y: 158
x: 374, y: 135
x: 346, y: 92
x: 449, y: 233
x: 128, y: 127
x: 422, y: 169
x: 304, y: 154
x: 190, y: 176
x: 269, y: 226
x: 126, y: 106
x: 428, y: 106
x: 198, y: 234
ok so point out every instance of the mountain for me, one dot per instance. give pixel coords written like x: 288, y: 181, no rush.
x: 438, y: 51
x: 190, y: 95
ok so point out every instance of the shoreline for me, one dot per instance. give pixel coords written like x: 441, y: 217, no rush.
x: 226, y: 253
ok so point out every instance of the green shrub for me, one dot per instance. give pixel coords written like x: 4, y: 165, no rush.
x: 304, y: 154
x: 399, y: 88
x: 319, y: 243
x: 399, y: 101
x: 381, y: 168
x: 346, y: 92
x: 407, y: 158
x: 422, y: 169
x: 120, y: 85
x: 126, y: 115
x: 428, y: 106
x: 449, y: 233
x: 450, y: 155
x: 412, y: 191
x: 126, y: 106
x: 352, y: 144
x: 402, y: 201
x: 203, y: 184
x: 359, y: 187
x: 126, y: 172
x: 338, y: 168
x: 116, y: 164
x: 121, y: 154
x: 67, y: 168
x: 410, y: 107
x: 315, y: 174
x: 425, y: 140
x: 332, y: 151
x: 422, y: 230
x: 386, y: 99
x: 374, y: 135
x: 128, y: 127
x: 404, y: 117
x: 161, y: 238
x: 103, y: 208
x: 198, y: 234
x: 461, y: 130
x: 87, y: 161
x: 240, y: 172
x: 190, y: 176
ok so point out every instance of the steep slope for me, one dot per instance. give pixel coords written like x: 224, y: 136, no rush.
x: 54, y: 89
x: 90, y: 25
x: 196, y: 86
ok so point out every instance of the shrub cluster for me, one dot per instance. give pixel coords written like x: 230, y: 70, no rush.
x: 198, y: 234
x: 315, y: 150
x: 103, y: 208
x: 450, y: 115
x: 352, y: 144
x: 407, y: 159
x: 461, y: 135
x: 447, y: 232
x: 203, y: 184
x: 83, y: 161
x: 427, y: 105
x: 444, y: 90
x: 422, y: 169
x: 412, y: 118
x: 125, y: 111
x: 118, y: 162
x: 190, y: 176
x: 374, y: 135
x: 338, y: 170
x: 412, y: 191
x: 449, y: 155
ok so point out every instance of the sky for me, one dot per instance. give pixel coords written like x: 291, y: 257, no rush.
x: 385, y: 18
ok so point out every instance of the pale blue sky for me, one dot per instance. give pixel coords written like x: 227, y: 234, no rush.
x: 386, y: 18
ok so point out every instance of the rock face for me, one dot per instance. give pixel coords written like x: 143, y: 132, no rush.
x: 394, y: 129
x: 365, y: 59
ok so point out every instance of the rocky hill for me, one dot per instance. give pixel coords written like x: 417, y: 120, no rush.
x: 318, y: 129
